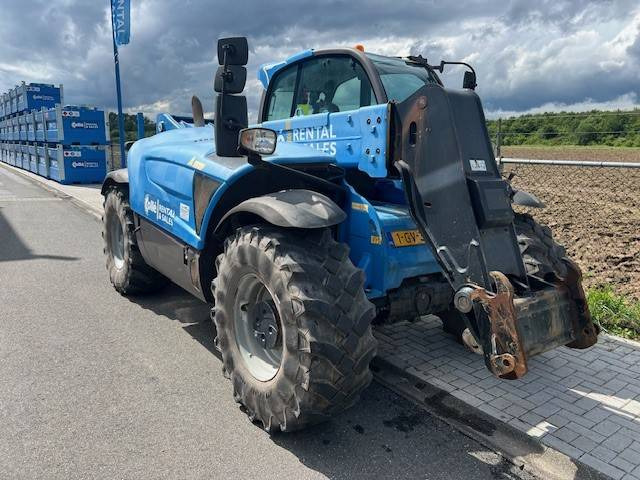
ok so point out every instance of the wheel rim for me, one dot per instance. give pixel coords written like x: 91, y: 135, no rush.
x: 116, y: 240
x: 258, y: 329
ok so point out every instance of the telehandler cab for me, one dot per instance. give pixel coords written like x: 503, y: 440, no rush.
x: 367, y: 193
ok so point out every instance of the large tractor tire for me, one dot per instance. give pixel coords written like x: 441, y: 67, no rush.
x: 293, y: 325
x: 541, y: 255
x: 128, y: 272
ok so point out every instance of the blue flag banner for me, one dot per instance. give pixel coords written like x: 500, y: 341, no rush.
x: 121, y: 13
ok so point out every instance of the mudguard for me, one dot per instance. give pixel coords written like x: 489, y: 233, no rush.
x: 291, y: 208
x: 115, y: 177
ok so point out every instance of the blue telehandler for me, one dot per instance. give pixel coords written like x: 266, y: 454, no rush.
x: 366, y: 193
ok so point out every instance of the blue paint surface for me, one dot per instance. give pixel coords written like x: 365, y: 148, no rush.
x: 162, y: 170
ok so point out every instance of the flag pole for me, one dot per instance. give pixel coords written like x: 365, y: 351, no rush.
x: 116, y: 61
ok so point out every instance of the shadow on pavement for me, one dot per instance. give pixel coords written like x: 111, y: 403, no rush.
x: 176, y: 304
x: 383, y: 436
x: 12, y: 247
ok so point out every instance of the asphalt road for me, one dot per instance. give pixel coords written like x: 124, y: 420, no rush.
x: 95, y: 385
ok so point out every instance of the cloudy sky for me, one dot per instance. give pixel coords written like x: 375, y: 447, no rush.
x: 540, y: 55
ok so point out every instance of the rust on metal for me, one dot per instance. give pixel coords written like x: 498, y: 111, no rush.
x: 585, y: 331
x: 507, y: 358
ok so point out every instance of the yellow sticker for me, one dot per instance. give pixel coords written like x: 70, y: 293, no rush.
x: 376, y: 239
x: 363, y: 207
x: 198, y: 165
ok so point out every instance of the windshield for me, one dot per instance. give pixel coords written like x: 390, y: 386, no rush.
x: 399, y: 77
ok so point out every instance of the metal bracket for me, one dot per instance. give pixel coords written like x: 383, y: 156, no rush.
x: 506, y: 358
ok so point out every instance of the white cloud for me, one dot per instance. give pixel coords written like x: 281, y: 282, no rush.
x: 627, y: 101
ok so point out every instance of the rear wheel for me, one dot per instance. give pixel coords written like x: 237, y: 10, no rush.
x: 293, y: 325
x: 128, y: 272
x: 541, y: 254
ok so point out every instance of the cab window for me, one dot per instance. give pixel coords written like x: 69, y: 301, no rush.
x: 332, y: 84
x: 401, y: 78
x: 281, y: 96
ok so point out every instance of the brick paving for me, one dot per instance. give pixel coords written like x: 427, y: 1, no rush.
x: 584, y: 403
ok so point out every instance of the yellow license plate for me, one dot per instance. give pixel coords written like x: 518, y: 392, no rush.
x: 407, y: 238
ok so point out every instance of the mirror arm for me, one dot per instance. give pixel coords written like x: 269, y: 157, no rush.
x: 440, y: 68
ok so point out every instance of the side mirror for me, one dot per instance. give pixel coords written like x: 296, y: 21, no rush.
x: 257, y: 141
x: 469, y: 80
x: 231, y: 110
x: 233, y: 51
x: 230, y: 80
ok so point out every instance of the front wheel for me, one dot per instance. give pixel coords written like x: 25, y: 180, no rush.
x: 293, y: 325
x: 128, y: 272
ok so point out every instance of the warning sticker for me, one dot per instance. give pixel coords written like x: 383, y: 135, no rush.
x: 478, y: 165
x: 184, y: 212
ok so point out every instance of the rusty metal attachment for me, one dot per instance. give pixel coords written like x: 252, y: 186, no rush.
x: 585, y: 331
x: 507, y: 358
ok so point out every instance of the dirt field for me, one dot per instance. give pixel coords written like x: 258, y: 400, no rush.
x: 594, y: 212
x: 596, y: 154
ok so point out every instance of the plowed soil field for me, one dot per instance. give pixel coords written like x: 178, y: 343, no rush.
x: 593, y: 212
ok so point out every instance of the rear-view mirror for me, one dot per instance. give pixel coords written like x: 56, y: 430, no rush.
x: 230, y: 80
x: 469, y: 80
x: 233, y: 51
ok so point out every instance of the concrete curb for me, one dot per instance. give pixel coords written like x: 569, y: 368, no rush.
x: 50, y: 186
x: 522, y: 450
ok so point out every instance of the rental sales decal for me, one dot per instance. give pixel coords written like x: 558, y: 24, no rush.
x: 154, y: 208
x: 320, y: 138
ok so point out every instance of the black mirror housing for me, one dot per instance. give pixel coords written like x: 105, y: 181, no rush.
x: 231, y: 79
x: 231, y: 117
x: 469, y: 80
x: 233, y: 51
x: 231, y: 110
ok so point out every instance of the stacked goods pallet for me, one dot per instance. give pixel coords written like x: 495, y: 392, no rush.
x: 66, y: 143
x: 17, y: 107
x: 77, y: 143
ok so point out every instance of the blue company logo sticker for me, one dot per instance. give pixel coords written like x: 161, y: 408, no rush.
x: 85, y: 164
x: 88, y: 125
x: 314, y: 137
x: 154, y: 208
